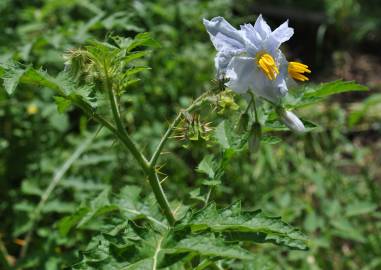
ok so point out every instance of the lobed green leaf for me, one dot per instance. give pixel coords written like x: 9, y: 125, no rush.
x: 210, y: 246
x: 233, y: 220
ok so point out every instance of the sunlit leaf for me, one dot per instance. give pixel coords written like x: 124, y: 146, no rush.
x: 210, y: 246
x: 207, y: 166
x: 233, y: 220
x: 331, y: 88
x: 11, y: 78
x: 62, y: 103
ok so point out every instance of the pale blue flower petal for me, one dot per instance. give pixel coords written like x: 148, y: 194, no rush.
x: 272, y: 91
x: 279, y: 35
x: 244, y: 75
x: 281, y: 81
x: 223, y: 34
x: 252, y: 39
x: 262, y: 28
x: 222, y: 60
x: 240, y: 71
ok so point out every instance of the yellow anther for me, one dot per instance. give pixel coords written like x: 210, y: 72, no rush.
x: 268, y: 66
x: 297, y: 70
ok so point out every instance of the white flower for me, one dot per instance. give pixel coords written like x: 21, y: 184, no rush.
x: 263, y: 69
x: 251, y: 59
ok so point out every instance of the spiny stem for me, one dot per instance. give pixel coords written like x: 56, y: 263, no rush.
x: 170, y: 129
x: 128, y: 142
x: 164, y: 139
x: 121, y: 129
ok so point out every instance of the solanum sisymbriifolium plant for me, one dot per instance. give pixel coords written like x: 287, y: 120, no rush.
x: 251, y: 104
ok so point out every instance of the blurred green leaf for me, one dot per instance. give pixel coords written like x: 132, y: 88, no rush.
x: 360, y: 208
x: 62, y: 103
x: 69, y: 222
x: 99, y: 206
x: 224, y: 136
x: 346, y: 230
x: 11, y: 78
x: 270, y: 139
x: 142, y: 39
x: 207, y: 166
x: 331, y: 88
x: 363, y: 108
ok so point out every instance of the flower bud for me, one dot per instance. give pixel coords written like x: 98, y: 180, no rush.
x: 255, y: 137
x: 243, y: 122
x: 291, y: 121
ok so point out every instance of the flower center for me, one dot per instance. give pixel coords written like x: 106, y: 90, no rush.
x: 297, y: 70
x: 268, y: 66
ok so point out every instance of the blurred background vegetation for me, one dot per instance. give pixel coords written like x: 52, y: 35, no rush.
x: 327, y: 182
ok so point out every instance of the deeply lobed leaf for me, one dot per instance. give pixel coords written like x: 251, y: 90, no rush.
x: 240, y: 225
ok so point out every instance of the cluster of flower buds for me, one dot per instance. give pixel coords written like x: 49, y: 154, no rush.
x: 193, y: 130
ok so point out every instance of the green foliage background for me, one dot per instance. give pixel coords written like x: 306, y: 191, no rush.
x: 326, y: 182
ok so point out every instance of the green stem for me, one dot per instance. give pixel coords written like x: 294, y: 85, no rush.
x: 127, y: 141
x: 255, y: 107
x: 208, y: 196
x: 164, y: 139
x: 122, y: 132
x: 248, y: 106
x: 170, y: 129
x: 4, y: 256
x: 91, y: 114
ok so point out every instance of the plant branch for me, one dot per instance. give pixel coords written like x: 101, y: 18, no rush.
x: 170, y: 129
x: 208, y: 196
x: 120, y: 129
x: 254, y: 106
x: 126, y: 140
x: 122, y: 134
x: 164, y: 139
x: 4, y: 256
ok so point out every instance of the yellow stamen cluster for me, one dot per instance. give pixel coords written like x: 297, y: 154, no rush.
x: 297, y: 70
x: 268, y: 66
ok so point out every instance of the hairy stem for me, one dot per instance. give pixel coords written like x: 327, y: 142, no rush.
x: 164, y: 139
x: 173, y: 125
x: 128, y: 142
x: 122, y: 132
